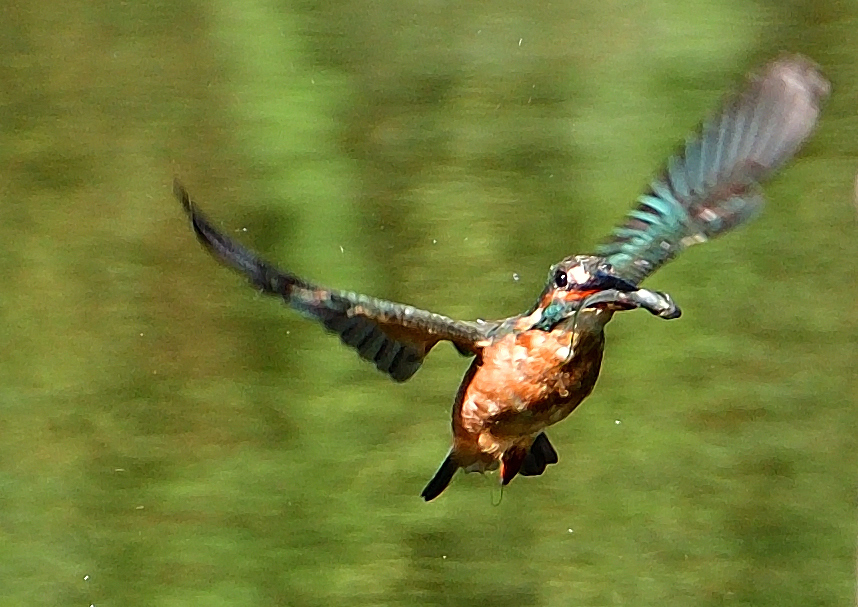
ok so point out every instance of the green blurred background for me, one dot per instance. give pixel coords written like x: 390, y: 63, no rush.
x: 167, y: 437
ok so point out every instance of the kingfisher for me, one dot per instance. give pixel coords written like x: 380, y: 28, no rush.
x: 530, y: 371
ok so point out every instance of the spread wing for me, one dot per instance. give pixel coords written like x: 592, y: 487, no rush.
x: 396, y: 337
x: 712, y: 185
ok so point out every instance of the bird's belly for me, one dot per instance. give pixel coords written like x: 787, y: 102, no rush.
x: 527, y: 381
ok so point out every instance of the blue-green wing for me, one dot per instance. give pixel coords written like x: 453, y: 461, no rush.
x: 713, y: 184
x: 395, y: 337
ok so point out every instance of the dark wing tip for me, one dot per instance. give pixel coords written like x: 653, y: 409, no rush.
x: 260, y: 273
x: 207, y: 235
x: 182, y: 195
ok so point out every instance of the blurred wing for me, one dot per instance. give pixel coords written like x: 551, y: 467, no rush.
x: 395, y: 337
x: 712, y: 185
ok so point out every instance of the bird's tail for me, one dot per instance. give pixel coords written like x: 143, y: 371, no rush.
x: 527, y: 462
x: 540, y: 455
x: 441, y: 479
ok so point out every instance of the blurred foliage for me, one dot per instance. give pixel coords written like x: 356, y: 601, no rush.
x: 169, y: 438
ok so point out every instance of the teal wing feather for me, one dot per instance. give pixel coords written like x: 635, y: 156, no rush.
x: 713, y: 184
x: 395, y: 337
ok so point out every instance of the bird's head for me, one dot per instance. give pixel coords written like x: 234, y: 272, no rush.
x: 575, y: 283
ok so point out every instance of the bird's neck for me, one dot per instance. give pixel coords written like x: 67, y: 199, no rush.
x: 591, y: 320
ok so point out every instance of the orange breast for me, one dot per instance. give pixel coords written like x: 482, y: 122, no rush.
x: 527, y: 381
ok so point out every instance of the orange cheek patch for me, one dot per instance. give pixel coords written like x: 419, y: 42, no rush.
x: 570, y: 296
x: 565, y: 296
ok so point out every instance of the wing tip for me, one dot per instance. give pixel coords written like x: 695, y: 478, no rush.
x: 801, y: 73
x: 210, y: 238
x: 230, y: 253
x: 199, y: 223
x: 183, y: 197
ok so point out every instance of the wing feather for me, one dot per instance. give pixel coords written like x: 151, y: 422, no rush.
x: 712, y: 185
x: 395, y: 337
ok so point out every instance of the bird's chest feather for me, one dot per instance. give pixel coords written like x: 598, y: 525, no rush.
x: 530, y: 380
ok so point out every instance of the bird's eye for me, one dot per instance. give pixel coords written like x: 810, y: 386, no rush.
x: 560, y: 279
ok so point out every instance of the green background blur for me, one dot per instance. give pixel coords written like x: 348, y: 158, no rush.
x: 168, y: 437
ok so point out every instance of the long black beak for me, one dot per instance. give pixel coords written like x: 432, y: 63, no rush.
x: 603, y: 281
x: 655, y: 302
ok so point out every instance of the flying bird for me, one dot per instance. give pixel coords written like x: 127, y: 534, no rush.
x: 532, y: 370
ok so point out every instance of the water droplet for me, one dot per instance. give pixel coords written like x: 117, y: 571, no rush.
x: 516, y: 277
x: 618, y: 422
